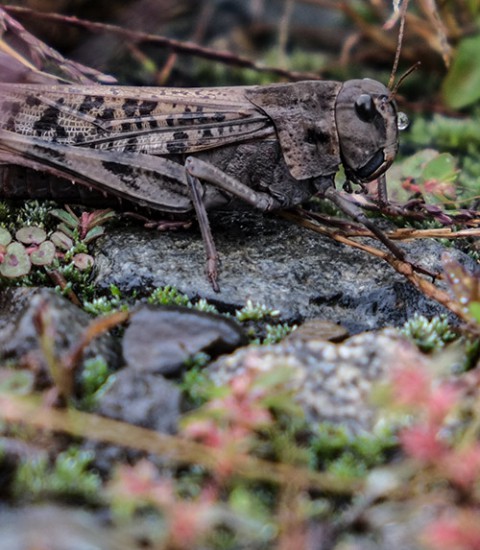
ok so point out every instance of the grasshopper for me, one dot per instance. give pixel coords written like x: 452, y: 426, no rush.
x: 180, y: 151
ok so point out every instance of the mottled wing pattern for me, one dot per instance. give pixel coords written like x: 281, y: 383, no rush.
x: 156, y: 121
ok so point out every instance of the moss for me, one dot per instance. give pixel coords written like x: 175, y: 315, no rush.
x: 454, y: 134
x: 203, y: 305
x: 344, y: 455
x: 458, y: 136
x: 95, y: 379
x: 255, y: 312
x: 78, y: 281
x: 103, y: 305
x: 196, y: 385
x: 428, y: 335
x: 68, y: 477
x: 168, y: 296
x: 275, y: 333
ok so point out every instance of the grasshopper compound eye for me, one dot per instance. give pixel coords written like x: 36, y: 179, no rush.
x: 365, y: 108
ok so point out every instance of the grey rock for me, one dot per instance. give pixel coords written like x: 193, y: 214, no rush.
x: 18, y: 335
x: 142, y: 399
x: 162, y: 339
x: 331, y: 382
x: 55, y: 527
x: 270, y: 261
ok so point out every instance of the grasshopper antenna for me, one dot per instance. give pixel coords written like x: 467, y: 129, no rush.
x: 401, y: 32
x: 408, y: 72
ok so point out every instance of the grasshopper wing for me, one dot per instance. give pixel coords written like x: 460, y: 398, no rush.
x: 156, y: 121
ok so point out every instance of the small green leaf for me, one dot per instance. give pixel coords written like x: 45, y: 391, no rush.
x: 69, y: 219
x: 61, y: 241
x: 16, y: 262
x: 461, y: 86
x: 101, y: 216
x: 31, y: 235
x: 93, y: 234
x: 44, y: 255
x: 474, y: 310
x: 5, y: 237
x: 441, y: 168
x: 413, y: 165
x: 64, y: 228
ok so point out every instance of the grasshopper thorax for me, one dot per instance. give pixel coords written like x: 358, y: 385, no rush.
x: 367, y: 126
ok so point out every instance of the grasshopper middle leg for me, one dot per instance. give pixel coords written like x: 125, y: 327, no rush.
x: 197, y: 170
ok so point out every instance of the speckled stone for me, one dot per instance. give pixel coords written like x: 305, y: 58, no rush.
x: 332, y: 382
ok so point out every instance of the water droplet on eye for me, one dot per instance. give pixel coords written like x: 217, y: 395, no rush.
x: 402, y: 121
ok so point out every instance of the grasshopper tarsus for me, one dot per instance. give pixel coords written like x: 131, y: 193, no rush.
x: 354, y: 212
x: 212, y: 273
x: 385, y: 207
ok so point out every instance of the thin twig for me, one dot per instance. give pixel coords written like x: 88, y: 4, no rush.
x: 404, y: 268
x: 96, y: 328
x: 29, y: 411
x: 174, y: 45
x: 61, y: 282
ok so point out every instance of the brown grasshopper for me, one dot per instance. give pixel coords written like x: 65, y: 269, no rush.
x: 175, y: 150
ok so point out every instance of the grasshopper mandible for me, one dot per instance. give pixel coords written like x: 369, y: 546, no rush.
x: 176, y: 150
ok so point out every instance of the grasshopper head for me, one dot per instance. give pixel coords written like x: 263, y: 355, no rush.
x: 367, y: 126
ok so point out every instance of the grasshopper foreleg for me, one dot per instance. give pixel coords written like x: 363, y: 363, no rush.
x: 382, y: 193
x: 356, y: 214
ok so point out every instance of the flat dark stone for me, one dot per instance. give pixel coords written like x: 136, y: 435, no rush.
x: 162, y: 339
x: 300, y: 273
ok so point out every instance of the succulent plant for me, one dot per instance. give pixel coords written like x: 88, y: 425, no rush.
x: 44, y: 254
x: 87, y: 226
x: 15, y: 261
x: 33, y: 247
x: 31, y: 235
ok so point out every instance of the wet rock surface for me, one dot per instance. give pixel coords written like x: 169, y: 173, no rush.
x: 271, y: 261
